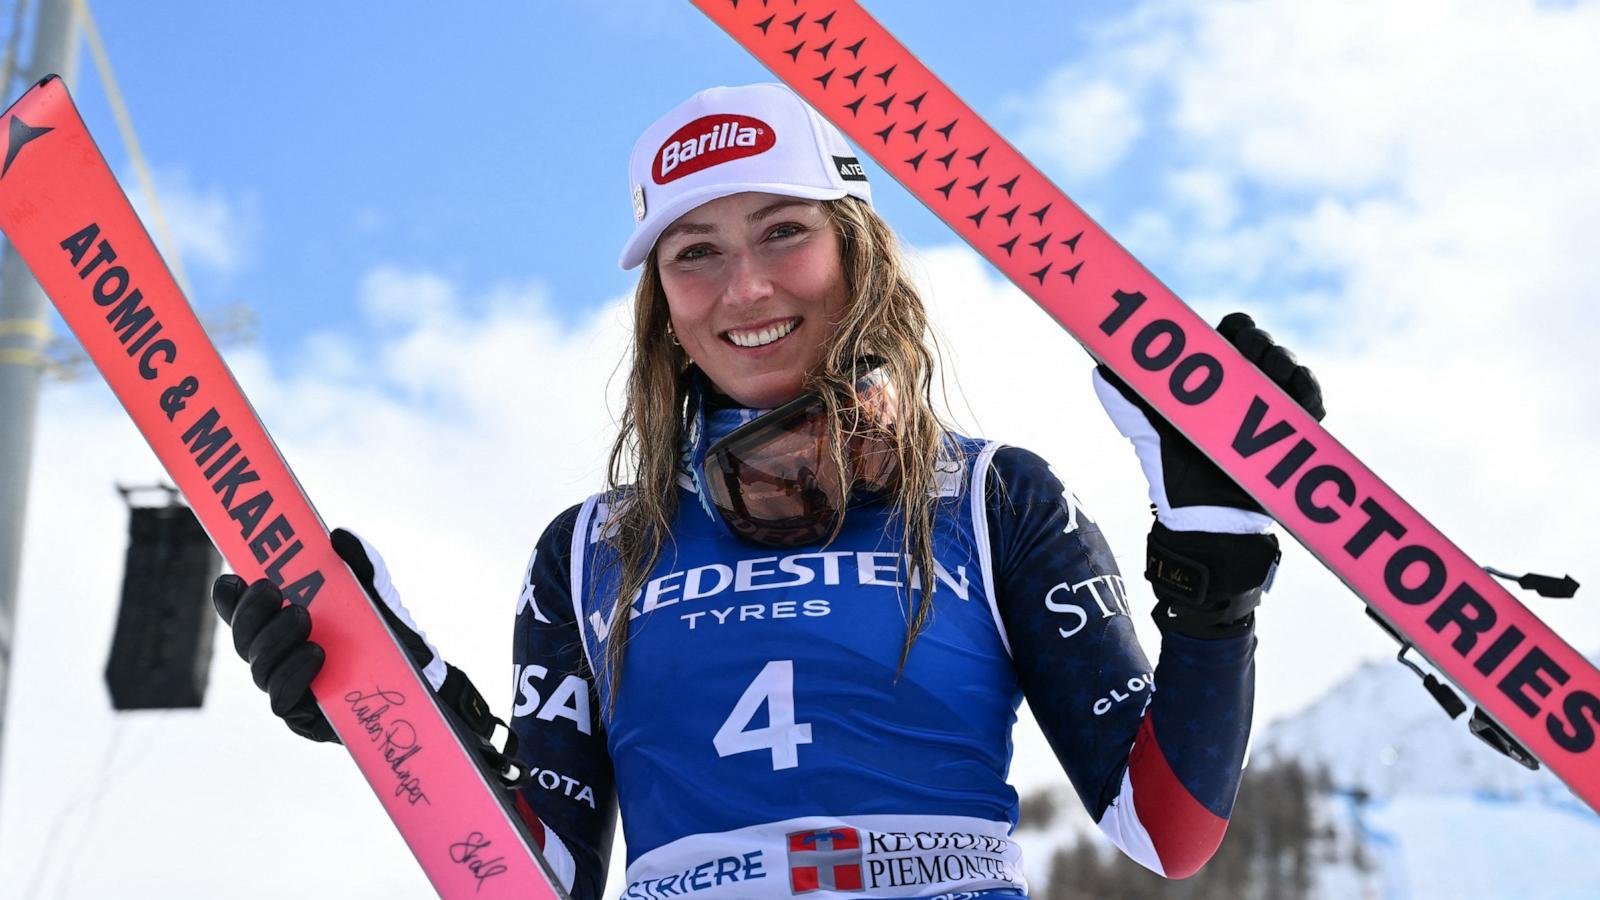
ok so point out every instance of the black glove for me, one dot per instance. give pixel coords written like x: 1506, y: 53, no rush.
x: 1209, y: 554
x: 274, y: 639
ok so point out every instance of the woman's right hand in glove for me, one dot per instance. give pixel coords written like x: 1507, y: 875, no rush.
x: 276, y: 641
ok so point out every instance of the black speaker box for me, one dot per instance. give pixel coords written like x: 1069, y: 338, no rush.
x: 161, y: 653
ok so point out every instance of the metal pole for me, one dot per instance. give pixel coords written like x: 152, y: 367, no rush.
x: 23, y: 332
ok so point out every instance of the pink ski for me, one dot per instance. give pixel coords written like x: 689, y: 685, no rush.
x: 62, y: 209
x: 1492, y: 647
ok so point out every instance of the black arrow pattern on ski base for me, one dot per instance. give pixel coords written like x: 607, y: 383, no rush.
x: 18, y: 135
x: 1064, y: 227
x: 944, y: 150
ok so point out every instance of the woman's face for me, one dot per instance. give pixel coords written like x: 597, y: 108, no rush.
x: 755, y: 286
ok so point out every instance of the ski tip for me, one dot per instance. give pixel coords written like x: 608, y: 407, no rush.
x: 29, y: 92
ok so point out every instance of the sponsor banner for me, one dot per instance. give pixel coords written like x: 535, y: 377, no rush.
x: 698, y: 589
x: 875, y: 856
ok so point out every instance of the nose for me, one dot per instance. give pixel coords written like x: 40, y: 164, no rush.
x: 749, y: 281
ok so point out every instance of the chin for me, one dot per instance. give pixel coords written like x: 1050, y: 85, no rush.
x: 767, y: 393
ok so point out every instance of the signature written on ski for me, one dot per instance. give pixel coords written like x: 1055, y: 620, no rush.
x: 221, y: 459
x: 473, y: 853
x: 398, y: 737
x: 1415, y: 572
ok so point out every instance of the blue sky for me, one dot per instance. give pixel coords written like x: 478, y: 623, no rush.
x: 425, y: 207
x: 487, y: 142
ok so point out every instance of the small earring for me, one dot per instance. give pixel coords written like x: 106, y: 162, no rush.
x: 671, y: 336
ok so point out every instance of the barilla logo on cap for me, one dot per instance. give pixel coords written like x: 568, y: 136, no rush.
x: 709, y: 141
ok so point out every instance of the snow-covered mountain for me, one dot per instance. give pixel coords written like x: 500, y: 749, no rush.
x: 1412, y: 806
x: 1437, y: 812
x: 1379, y: 732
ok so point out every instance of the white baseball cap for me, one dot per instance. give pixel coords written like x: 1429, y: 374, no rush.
x: 727, y: 140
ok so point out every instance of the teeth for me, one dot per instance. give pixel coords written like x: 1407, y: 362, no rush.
x: 764, y: 336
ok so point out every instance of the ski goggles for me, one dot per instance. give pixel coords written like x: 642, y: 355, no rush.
x: 774, y: 480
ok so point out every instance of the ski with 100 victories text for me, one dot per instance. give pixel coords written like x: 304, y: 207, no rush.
x: 1417, y: 583
x: 62, y: 209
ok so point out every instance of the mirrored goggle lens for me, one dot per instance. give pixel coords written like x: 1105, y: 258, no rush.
x: 775, y: 484
x: 774, y: 480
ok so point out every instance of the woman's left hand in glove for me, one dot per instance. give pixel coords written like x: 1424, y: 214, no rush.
x: 1210, y: 556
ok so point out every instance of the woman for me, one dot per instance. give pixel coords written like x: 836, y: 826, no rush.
x: 790, y: 637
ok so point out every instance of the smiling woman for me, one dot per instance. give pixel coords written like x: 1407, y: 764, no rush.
x: 789, y: 637
x: 755, y: 286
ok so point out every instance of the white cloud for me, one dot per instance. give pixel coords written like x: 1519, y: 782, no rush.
x: 1206, y: 194
x: 1086, y: 126
x: 396, y: 298
x: 207, y: 227
x: 1364, y: 94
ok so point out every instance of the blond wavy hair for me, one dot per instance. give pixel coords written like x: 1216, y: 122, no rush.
x: 884, y: 318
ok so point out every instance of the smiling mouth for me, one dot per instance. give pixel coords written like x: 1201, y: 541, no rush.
x: 760, y: 337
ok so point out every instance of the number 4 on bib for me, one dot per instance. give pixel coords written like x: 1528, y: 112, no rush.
x: 781, y: 735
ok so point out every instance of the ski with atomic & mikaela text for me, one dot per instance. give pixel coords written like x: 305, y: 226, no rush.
x: 63, y: 210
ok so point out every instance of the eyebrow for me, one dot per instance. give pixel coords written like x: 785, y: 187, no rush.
x: 758, y: 215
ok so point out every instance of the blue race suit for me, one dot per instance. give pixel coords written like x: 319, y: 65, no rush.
x: 764, y: 743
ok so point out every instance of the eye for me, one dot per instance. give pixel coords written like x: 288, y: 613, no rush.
x: 787, y: 229
x: 692, y: 252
